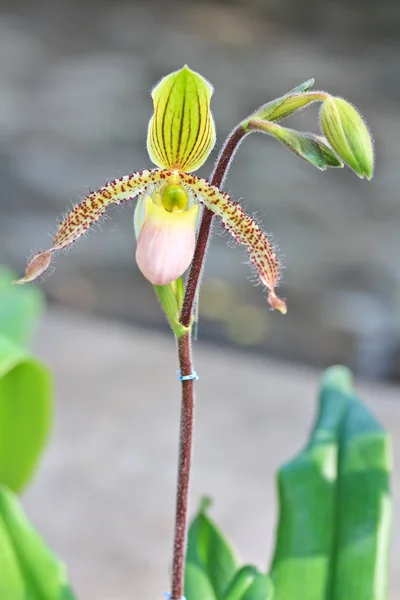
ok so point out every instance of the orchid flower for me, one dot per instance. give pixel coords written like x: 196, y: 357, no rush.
x: 181, y: 135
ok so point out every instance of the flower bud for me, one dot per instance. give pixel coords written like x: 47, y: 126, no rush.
x: 286, y: 105
x: 348, y: 135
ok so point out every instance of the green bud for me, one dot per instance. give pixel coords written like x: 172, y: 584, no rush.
x: 283, y: 107
x: 348, y: 135
x: 310, y: 147
x: 171, y: 297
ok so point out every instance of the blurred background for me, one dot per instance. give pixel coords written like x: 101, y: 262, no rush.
x: 75, y: 81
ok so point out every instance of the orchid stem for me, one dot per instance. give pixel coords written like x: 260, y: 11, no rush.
x: 186, y: 368
x: 217, y: 178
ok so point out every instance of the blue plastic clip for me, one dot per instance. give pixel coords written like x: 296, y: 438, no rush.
x: 192, y: 377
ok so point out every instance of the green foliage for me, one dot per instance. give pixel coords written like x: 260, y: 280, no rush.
x: 197, y: 583
x: 25, y: 413
x: 210, y: 551
x: 212, y: 567
x: 335, y: 508
x: 28, y: 569
x: 25, y: 385
x: 250, y: 584
x: 20, y: 308
x: 333, y: 534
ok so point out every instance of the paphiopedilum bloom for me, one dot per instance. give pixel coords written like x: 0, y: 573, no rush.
x: 181, y: 135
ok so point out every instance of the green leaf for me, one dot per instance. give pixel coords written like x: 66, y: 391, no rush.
x: 20, y: 308
x: 197, y: 584
x: 335, y: 507
x: 211, y: 552
x: 250, y: 584
x: 25, y: 413
x: 364, y: 508
x: 28, y: 569
x: 307, y: 496
x: 261, y: 588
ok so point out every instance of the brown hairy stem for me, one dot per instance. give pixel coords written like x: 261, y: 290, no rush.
x: 186, y: 368
x: 217, y: 179
x: 185, y: 453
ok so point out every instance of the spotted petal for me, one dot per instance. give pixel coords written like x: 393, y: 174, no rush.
x: 88, y: 212
x: 181, y: 132
x: 245, y: 230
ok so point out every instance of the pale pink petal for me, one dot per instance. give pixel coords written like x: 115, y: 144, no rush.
x: 166, y: 243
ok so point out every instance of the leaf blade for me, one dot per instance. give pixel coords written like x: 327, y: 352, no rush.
x: 250, y: 584
x: 25, y: 413
x: 197, y: 584
x: 43, y: 576
x: 20, y: 308
x: 210, y: 551
x: 307, y: 496
x: 365, y: 508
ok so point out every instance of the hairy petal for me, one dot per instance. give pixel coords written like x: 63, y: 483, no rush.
x: 89, y: 211
x: 245, y: 230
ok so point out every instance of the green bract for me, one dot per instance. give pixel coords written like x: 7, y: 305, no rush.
x: 312, y: 148
x: 348, y: 135
x: 171, y: 299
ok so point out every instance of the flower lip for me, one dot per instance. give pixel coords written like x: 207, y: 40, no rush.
x: 166, y: 243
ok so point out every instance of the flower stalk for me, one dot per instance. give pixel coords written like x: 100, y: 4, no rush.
x: 184, y: 463
x: 186, y: 368
x: 217, y: 179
